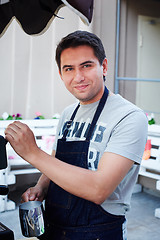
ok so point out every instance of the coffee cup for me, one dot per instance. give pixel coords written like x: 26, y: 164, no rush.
x: 31, y: 218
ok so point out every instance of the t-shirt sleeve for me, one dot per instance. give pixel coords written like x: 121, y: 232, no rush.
x: 129, y: 136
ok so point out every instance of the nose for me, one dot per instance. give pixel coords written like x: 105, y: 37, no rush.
x: 78, y: 76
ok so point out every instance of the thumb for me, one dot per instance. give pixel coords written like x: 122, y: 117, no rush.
x: 32, y: 197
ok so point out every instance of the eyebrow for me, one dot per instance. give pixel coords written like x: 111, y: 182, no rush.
x: 66, y: 66
x: 86, y: 62
x: 69, y: 66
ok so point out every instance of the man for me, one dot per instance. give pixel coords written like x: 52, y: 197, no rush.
x: 97, y: 152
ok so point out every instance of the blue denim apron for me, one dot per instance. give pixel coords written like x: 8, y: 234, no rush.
x: 69, y: 217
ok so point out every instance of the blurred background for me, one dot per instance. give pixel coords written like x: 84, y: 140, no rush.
x: 130, y: 31
x: 30, y: 84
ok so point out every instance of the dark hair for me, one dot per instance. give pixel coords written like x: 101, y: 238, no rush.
x: 79, y: 38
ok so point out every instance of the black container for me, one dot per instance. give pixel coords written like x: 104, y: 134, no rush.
x: 5, y: 233
x: 3, y: 154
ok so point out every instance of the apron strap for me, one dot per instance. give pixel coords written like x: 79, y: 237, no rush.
x: 69, y: 123
x: 95, y: 118
x: 97, y: 113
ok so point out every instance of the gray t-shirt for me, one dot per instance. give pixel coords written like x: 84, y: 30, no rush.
x: 121, y: 129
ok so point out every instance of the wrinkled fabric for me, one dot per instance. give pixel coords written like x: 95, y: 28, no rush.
x: 34, y: 15
x: 6, y: 15
x: 83, y: 8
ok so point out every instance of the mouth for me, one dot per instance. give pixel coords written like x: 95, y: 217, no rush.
x: 81, y: 87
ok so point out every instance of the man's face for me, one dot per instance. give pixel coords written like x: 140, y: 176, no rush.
x: 82, y: 73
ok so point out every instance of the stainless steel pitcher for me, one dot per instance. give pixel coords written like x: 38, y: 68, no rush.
x: 31, y: 218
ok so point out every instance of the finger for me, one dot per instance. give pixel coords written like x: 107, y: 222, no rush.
x: 32, y: 197
x: 11, y: 131
x: 16, y: 126
x: 24, y: 199
x: 19, y: 124
x: 25, y: 196
x: 15, y: 131
x: 9, y: 137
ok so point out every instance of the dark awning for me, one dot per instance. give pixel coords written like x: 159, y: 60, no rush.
x: 34, y: 15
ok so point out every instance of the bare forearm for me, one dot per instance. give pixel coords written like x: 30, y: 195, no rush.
x: 43, y: 182
x: 95, y: 186
x: 78, y: 181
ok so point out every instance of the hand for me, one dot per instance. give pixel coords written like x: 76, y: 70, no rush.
x: 21, y: 139
x: 33, y: 194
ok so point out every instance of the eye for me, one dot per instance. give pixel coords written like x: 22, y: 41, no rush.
x: 87, y: 65
x: 68, y: 69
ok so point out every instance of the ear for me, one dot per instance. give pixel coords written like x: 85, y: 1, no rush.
x: 105, y: 66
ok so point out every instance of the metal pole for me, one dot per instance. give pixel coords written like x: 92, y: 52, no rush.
x: 138, y: 79
x: 117, y: 79
x: 116, y: 88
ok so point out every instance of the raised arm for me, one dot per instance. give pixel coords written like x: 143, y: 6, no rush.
x: 95, y: 186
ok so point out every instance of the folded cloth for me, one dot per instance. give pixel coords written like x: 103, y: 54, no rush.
x: 83, y: 8
x: 33, y: 15
x: 6, y: 15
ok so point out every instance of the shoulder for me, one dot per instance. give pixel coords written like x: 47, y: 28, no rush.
x: 122, y: 115
x: 118, y: 105
x: 117, y: 101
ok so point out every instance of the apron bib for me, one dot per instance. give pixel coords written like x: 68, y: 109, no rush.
x: 68, y: 216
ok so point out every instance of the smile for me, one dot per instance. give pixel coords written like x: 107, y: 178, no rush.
x: 81, y: 87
